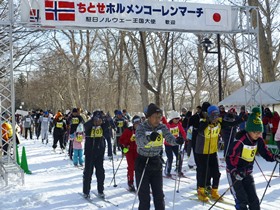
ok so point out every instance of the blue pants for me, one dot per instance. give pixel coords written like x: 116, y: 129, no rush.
x: 78, y: 157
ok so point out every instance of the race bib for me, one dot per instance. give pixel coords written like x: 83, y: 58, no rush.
x: 45, y: 119
x: 157, y: 143
x: 132, y: 138
x: 79, y: 138
x: 212, y: 132
x: 59, y: 124
x: 174, y: 131
x: 28, y: 120
x: 249, y: 152
x: 120, y: 124
x: 96, y: 132
x: 75, y: 121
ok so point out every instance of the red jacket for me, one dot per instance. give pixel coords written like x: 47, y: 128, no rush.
x: 176, y: 129
x: 127, y: 139
x: 274, y: 121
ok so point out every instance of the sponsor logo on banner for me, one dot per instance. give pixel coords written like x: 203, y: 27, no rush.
x: 60, y: 10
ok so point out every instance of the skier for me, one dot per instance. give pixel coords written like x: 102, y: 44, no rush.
x: 28, y: 122
x: 73, y: 121
x: 59, y: 131
x: 94, y: 154
x: 127, y: 140
x: 176, y: 129
x: 37, y: 123
x: 109, y: 125
x: 148, y: 165
x: 228, y: 132
x: 45, y: 123
x: 241, y: 159
x: 121, y: 124
x: 7, y: 133
x: 78, y: 143
x: 206, y: 152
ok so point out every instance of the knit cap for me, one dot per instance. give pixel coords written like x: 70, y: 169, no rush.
x: 254, y: 122
x: 136, y: 119
x: 213, y: 111
x: 152, y: 108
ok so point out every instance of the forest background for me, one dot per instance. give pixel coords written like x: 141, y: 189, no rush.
x: 114, y: 69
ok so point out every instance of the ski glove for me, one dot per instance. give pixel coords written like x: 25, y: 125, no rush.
x: 239, y: 175
x: 154, y: 135
x: 125, y: 150
x: 277, y: 158
x: 180, y: 140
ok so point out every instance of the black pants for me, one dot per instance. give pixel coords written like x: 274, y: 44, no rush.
x: 58, y: 137
x: 91, y: 162
x: 244, y: 193
x: 278, y: 144
x: 207, y: 166
x: 109, y: 144
x: 30, y: 133
x: 37, y: 130
x: 152, y: 177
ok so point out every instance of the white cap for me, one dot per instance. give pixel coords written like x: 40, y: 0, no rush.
x: 174, y: 114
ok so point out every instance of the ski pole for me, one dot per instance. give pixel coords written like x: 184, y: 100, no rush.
x: 262, y: 172
x: 207, y: 165
x: 222, y: 195
x: 178, y: 162
x: 114, y: 175
x: 179, y: 181
x: 229, y: 141
x: 269, y: 181
x: 138, y: 188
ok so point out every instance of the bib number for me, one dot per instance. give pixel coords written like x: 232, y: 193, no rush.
x: 249, y: 152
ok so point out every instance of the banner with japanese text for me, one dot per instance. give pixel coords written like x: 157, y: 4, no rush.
x: 133, y: 15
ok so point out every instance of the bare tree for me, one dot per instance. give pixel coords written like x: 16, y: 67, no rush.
x: 269, y: 50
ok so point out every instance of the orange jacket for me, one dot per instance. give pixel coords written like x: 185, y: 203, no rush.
x: 7, y: 131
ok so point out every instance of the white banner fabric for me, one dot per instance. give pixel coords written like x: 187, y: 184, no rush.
x: 130, y: 15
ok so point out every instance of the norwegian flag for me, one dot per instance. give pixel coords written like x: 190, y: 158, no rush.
x: 34, y: 16
x: 60, y: 10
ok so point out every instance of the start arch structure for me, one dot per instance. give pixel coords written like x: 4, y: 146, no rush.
x: 142, y: 15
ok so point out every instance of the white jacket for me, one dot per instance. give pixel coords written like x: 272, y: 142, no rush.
x: 277, y: 134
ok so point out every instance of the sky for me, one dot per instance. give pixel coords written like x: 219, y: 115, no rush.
x: 55, y: 184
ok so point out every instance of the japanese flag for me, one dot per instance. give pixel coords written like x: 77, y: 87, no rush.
x: 217, y: 17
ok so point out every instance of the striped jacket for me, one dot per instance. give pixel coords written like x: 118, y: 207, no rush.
x: 145, y: 146
x: 242, y: 151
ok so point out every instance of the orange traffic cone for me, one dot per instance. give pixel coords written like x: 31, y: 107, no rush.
x: 23, y: 163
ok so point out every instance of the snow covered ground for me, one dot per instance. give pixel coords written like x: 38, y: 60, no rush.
x: 55, y: 184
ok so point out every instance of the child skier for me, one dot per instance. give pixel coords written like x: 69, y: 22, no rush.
x: 148, y: 165
x: 78, y: 146
x: 127, y: 140
x: 176, y: 129
x: 240, y: 161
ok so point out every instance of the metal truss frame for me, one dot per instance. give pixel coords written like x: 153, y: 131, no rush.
x: 251, y: 67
